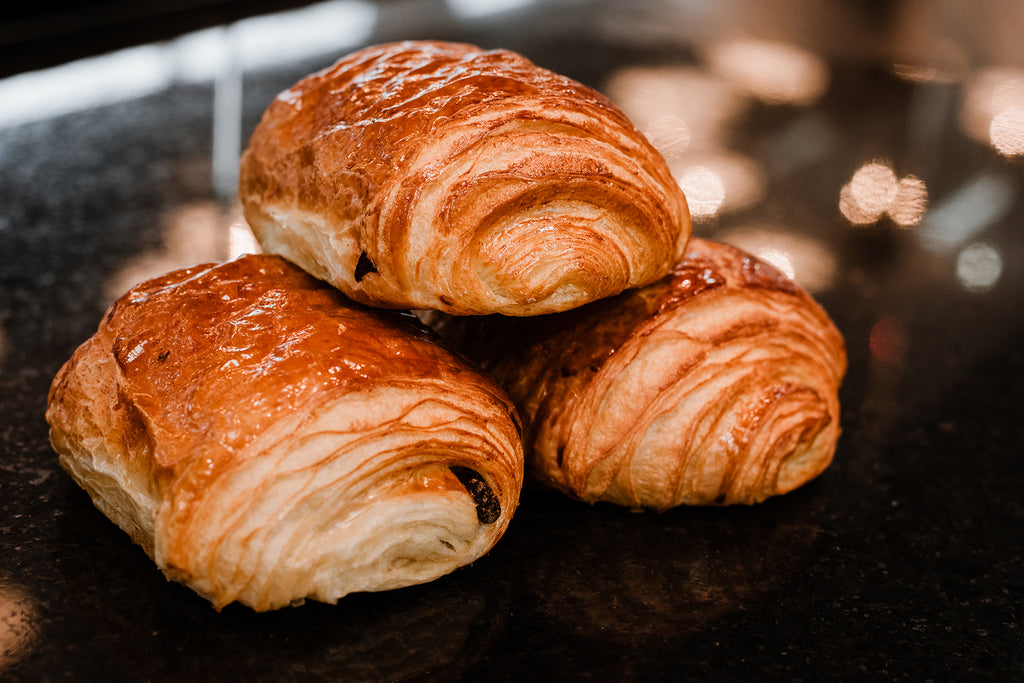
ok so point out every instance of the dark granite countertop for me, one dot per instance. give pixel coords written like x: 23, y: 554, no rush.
x: 875, y: 149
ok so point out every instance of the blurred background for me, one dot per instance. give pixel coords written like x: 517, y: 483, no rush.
x: 871, y: 149
x: 866, y: 147
x: 754, y: 104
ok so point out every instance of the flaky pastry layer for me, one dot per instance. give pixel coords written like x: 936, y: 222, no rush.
x: 430, y: 175
x: 265, y: 440
x: 716, y: 385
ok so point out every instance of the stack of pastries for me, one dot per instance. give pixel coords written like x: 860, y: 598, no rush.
x: 280, y: 427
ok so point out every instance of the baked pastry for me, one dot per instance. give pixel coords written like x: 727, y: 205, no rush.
x: 716, y: 385
x: 431, y: 175
x: 265, y: 440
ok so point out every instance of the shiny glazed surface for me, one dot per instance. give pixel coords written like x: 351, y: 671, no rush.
x: 257, y: 339
x: 718, y: 384
x: 266, y: 440
x: 465, y: 180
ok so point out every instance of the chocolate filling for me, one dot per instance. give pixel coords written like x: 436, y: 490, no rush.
x: 364, y: 267
x: 488, y: 509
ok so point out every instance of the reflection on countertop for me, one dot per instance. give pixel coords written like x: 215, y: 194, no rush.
x: 194, y: 233
x: 18, y: 624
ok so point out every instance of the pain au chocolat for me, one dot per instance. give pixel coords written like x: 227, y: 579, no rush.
x: 266, y: 441
x: 716, y: 385
x: 434, y: 175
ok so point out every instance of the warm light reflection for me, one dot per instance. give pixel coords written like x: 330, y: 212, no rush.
x: 918, y: 73
x: 979, y: 266
x: 1007, y: 132
x: 720, y: 182
x: 668, y: 133
x: 195, y: 233
x: 875, y: 190
x: 774, y: 72
x: 869, y: 193
x: 704, y: 191
x: 993, y: 109
x: 17, y: 625
x: 910, y: 202
x: 888, y: 340
x: 778, y: 258
x: 241, y: 240
x: 678, y: 108
x: 803, y: 259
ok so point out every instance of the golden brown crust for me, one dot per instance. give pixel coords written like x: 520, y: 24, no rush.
x: 265, y: 440
x: 433, y: 175
x: 716, y: 385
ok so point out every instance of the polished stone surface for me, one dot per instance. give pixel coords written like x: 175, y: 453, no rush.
x: 877, y: 154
